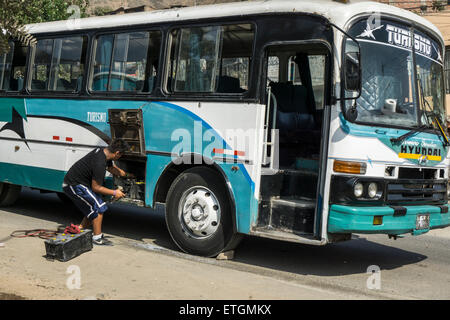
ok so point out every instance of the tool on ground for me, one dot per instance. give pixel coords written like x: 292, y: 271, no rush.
x: 40, y: 233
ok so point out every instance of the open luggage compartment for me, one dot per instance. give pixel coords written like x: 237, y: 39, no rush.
x: 127, y: 125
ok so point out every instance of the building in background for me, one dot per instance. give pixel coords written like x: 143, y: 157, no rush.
x: 441, y: 19
x: 438, y: 13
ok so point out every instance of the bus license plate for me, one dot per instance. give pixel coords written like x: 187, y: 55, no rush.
x: 423, y: 221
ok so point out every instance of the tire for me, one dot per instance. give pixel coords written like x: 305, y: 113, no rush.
x: 198, y: 213
x: 9, y: 193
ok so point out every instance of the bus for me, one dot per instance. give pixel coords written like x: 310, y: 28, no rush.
x: 301, y: 121
x: 447, y: 76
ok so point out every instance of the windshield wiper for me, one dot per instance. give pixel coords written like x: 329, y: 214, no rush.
x: 439, y: 128
x: 435, y: 116
x: 409, y: 133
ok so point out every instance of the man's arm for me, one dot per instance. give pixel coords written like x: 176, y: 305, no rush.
x: 118, y: 172
x: 98, y: 188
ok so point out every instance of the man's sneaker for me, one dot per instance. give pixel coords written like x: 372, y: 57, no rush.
x: 102, y: 242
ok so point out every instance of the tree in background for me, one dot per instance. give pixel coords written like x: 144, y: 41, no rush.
x: 101, y: 11
x: 14, y: 14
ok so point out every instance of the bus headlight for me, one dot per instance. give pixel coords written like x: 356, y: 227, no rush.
x: 353, y: 190
x: 358, y: 189
x: 372, y: 190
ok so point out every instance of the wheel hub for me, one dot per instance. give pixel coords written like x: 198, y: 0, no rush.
x: 199, y: 212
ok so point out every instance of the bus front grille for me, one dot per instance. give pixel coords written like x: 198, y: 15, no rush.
x: 420, y: 191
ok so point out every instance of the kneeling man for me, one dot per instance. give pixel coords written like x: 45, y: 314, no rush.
x: 83, y: 184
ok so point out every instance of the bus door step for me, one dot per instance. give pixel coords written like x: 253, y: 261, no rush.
x: 291, y: 214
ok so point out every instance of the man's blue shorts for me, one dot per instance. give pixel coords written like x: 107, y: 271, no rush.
x: 90, y: 203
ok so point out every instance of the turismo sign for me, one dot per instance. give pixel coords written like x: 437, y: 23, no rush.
x: 398, y: 35
x: 402, y: 37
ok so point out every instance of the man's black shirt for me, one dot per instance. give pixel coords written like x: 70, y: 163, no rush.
x: 91, y: 167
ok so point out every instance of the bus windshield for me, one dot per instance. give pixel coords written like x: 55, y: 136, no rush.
x: 390, y: 94
x: 431, y: 89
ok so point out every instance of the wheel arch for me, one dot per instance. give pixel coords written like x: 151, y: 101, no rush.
x: 187, y: 161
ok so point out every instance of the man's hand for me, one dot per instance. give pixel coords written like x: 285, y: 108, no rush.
x: 115, y: 170
x: 118, y: 194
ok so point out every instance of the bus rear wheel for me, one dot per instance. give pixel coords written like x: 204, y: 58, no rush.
x: 9, y: 193
x: 198, y: 213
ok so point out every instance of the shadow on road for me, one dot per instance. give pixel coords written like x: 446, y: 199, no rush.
x: 350, y: 257
x: 8, y: 296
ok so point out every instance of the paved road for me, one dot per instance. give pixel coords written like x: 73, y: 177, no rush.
x: 145, y: 257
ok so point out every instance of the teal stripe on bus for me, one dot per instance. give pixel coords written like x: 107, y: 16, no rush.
x: 36, y: 177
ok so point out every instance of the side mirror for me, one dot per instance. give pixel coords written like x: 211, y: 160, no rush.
x: 352, y: 72
x: 351, y: 113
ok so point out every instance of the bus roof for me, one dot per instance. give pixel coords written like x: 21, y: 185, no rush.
x: 336, y: 12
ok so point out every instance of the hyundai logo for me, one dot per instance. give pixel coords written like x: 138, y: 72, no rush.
x: 423, y: 159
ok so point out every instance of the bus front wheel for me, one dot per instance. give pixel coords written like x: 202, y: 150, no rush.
x: 198, y: 213
x: 9, y: 193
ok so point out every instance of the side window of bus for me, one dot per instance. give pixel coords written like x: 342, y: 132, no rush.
x: 58, y: 64
x: 12, y: 67
x: 273, y: 69
x: 317, y: 71
x: 126, y: 62
x: 213, y: 59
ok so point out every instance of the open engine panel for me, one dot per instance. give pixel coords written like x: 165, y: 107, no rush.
x: 127, y: 125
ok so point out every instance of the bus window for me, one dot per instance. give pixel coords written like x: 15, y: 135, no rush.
x: 12, y: 67
x: 42, y: 63
x: 126, y: 62
x: 237, y: 50
x: 102, y: 64
x: 69, y: 64
x: 237, y: 68
x: 273, y: 69
x: 317, y: 71
x: 5, y: 67
x: 59, y: 64
x: 214, y: 59
x: 196, y: 59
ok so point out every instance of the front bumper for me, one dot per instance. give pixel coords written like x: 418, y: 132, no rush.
x: 352, y: 219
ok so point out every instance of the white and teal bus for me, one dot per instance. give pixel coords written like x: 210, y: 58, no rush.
x: 303, y: 121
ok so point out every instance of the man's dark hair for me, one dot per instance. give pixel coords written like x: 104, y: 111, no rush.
x: 118, y: 145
